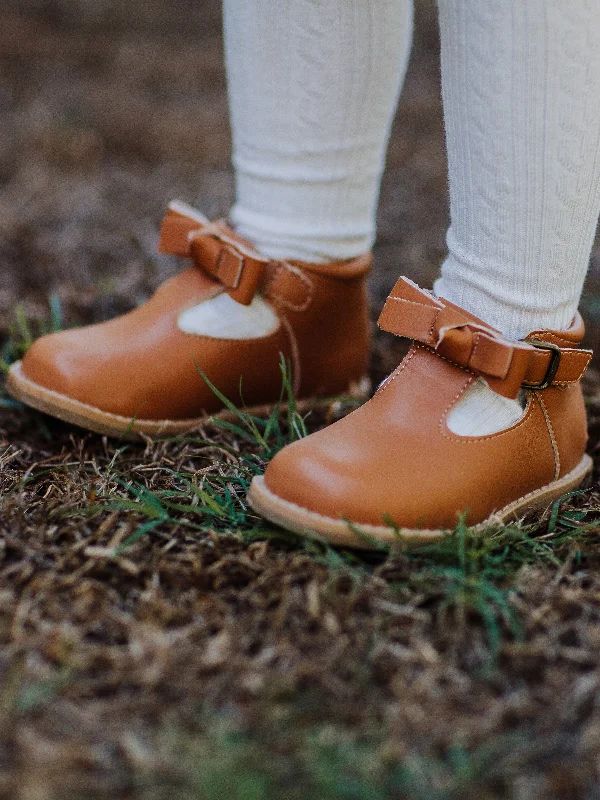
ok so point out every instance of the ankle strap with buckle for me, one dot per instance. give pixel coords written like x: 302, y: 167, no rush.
x: 239, y: 268
x: 213, y: 248
x: 506, y: 364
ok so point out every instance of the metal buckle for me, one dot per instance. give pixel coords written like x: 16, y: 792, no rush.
x: 556, y: 355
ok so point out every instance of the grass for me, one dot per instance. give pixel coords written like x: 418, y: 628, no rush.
x: 24, y: 331
x: 469, y: 571
x: 332, y: 766
x: 275, y: 666
x: 217, y: 501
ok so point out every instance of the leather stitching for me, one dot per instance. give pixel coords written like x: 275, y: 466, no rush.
x: 580, y: 355
x: 554, y: 383
x: 413, y: 303
x: 454, y: 437
x: 476, y: 339
x: 270, y: 280
x: 457, y: 396
x: 308, y: 284
x: 197, y: 336
x: 555, y: 337
x: 376, y: 528
x: 433, y: 323
x: 530, y: 494
x: 282, y: 267
x: 454, y: 364
x: 551, y: 434
x: 400, y: 368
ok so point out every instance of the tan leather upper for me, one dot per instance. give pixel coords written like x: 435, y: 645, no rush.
x: 142, y: 364
x: 216, y: 250
x: 395, y: 457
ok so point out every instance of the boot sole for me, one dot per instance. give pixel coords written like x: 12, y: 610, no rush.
x: 345, y: 533
x: 94, y: 419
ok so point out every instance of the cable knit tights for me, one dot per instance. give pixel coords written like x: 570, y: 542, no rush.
x: 313, y: 85
x: 521, y: 89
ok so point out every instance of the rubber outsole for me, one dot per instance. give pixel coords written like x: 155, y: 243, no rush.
x: 94, y: 419
x: 345, y: 533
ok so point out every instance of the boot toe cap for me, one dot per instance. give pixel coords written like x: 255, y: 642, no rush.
x: 53, y: 362
x: 309, y: 477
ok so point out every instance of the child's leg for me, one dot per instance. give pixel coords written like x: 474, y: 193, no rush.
x: 521, y: 83
x: 521, y: 90
x: 313, y: 85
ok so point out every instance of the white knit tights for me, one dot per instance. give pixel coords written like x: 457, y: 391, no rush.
x: 521, y: 89
x: 313, y: 86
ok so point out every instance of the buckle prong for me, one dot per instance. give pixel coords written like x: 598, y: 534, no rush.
x: 555, y: 356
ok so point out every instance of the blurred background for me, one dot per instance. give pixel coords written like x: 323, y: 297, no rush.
x: 109, y: 109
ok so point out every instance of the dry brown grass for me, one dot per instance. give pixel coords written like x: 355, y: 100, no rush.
x: 253, y: 664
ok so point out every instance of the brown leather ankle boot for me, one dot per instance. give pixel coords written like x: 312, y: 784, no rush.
x: 394, y: 470
x: 231, y: 315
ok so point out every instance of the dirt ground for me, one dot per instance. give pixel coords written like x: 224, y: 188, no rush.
x: 157, y: 640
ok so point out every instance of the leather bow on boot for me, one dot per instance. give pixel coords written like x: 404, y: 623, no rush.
x: 231, y: 315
